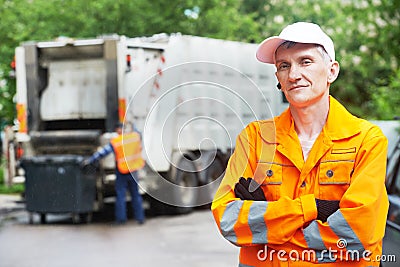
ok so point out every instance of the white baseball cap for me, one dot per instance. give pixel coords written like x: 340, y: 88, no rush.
x: 299, y: 32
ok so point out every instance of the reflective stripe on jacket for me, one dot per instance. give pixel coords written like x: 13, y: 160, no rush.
x: 346, y: 163
x: 128, y: 152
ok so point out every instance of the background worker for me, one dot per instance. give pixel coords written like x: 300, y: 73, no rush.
x: 313, y: 177
x: 127, y: 150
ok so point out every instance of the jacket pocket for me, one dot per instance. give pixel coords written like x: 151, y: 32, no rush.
x: 334, y: 178
x: 335, y: 172
x: 269, y: 174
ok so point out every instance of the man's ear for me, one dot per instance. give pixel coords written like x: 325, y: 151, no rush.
x: 279, y: 86
x: 333, y: 72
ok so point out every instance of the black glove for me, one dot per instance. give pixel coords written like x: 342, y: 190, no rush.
x: 248, y: 189
x: 85, y: 163
x: 88, y: 167
x: 326, y: 208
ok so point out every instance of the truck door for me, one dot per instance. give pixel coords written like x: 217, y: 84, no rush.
x: 72, y: 85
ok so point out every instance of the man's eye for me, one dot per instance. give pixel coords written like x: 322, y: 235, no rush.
x: 306, y: 61
x: 283, y: 66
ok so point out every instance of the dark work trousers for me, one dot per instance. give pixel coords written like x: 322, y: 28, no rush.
x: 123, y: 183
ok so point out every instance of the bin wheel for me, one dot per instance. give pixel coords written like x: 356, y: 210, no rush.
x: 75, y: 218
x: 43, y: 218
x: 30, y: 218
x: 86, y: 217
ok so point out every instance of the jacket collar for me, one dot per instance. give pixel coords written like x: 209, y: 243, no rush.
x: 341, y: 124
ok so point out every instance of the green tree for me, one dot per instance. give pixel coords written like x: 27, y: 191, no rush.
x: 29, y: 20
x: 366, y: 34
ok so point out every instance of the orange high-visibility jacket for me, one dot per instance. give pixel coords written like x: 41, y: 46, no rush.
x: 128, y: 152
x: 346, y: 163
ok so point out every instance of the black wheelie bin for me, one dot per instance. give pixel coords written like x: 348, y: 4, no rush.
x: 58, y: 184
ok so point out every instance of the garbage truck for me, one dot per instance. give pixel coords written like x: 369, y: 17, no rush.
x: 188, y: 96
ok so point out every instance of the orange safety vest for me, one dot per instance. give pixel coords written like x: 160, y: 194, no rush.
x: 346, y: 163
x: 128, y: 152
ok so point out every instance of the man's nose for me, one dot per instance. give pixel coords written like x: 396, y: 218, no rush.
x: 294, y: 72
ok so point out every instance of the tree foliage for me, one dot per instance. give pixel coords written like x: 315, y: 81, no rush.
x: 366, y: 34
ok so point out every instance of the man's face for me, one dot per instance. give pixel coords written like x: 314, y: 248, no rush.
x: 118, y: 130
x: 304, y: 74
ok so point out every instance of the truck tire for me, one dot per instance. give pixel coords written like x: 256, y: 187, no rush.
x: 213, y: 172
x: 181, y: 196
x: 185, y: 194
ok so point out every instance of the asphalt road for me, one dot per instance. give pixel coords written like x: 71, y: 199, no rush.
x: 185, y: 240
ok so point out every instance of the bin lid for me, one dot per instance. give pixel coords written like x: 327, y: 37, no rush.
x: 52, y: 159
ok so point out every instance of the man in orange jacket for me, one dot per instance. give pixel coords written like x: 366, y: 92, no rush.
x: 127, y: 150
x: 307, y: 187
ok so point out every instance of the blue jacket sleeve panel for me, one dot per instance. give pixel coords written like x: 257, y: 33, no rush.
x: 139, y: 132
x: 104, y: 151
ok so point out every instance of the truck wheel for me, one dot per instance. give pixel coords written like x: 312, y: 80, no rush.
x: 185, y: 194
x: 213, y: 172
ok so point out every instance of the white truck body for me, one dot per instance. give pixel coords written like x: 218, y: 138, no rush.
x: 217, y: 83
x: 189, y: 97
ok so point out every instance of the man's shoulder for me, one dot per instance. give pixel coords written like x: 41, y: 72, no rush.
x: 258, y: 124
x: 371, y: 128
x: 265, y: 129
x: 344, y: 124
